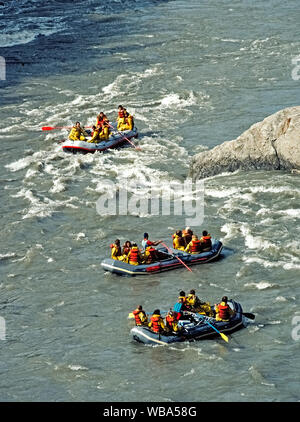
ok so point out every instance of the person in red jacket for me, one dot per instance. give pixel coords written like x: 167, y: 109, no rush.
x: 156, y: 322
x: 223, y: 310
x: 140, y: 316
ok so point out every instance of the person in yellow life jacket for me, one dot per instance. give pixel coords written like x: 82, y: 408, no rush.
x: 150, y: 255
x: 187, y: 234
x: 178, y: 242
x: 205, y: 241
x: 223, y: 310
x: 121, y: 116
x: 127, y: 122
x: 171, y: 321
x: 194, y: 304
x: 140, y: 316
x: 134, y: 256
x: 105, y: 131
x: 77, y: 133
x: 194, y: 246
x: 156, y: 322
x: 95, y: 134
x: 116, y: 252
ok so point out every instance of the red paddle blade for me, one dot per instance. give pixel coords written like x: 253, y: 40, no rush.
x: 47, y: 128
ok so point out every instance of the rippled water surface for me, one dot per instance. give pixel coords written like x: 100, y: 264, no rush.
x: 194, y: 74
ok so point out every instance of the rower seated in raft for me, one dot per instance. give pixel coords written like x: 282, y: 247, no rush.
x: 77, y: 133
x: 140, y: 317
x: 116, y: 252
x: 100, y: 133
x: 134, y: 256
x: 194, y: 304
x: 156, y: 323
x: 178, y: 241
x: 199, y: 245
x: 223, y: 310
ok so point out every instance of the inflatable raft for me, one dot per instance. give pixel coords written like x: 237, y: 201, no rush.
x: 167, y: 261
x: 193, y: 329
x: 116, y: 139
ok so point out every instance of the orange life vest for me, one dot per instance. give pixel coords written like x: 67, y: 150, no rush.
x: 133, y: 255
x: 224, y: 311
x: 155, y: 324
x: 206, y: 241
x: 137, y: 318
x: 169, y: 320
x: 196, y: 246
x: 121, y: 114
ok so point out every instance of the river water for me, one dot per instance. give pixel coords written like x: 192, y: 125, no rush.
x: 194, y: 74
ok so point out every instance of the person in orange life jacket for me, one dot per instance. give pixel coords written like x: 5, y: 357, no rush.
x: 187, y: 234
x: 194, y: 246
x: 178, y: 241
x: 205, y: 241
x: 116, y: 252
x: 171, y: 321
x: 223, y: 310
x: 156, y: 322
x: 101, y: 118
x: 140, y: 316
x: 146, y: 242
x: 134, y: 256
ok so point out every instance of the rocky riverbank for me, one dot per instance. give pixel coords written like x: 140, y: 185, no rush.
x: 272, y: 144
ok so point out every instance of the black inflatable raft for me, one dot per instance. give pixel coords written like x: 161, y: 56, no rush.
x: 167, y: 261
x: 197, y: 329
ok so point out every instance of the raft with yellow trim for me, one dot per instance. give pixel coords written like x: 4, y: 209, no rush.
x: 166, y: 263
x: 193, y: 327
x: 116, y: 140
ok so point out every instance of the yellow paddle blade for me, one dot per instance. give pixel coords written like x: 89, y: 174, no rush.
x: 130, y: 316
x: 224, y: 337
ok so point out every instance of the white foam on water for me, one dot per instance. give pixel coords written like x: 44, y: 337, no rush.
x: 262, y: 285
x: 77, y: 368
x: 255, y: 242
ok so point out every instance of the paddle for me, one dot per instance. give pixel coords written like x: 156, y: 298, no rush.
x: 60, y: 127
x: 120, y: 133
x: 247, y: 315
x: 224, y: 337
x: 176, y: 257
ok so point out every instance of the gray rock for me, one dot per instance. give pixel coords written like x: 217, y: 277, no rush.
x: 273, y: 144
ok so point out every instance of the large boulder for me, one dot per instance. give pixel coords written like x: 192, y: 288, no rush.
x: 273, y: 144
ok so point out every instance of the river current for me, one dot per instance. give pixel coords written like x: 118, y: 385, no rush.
x: 194, y: 74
